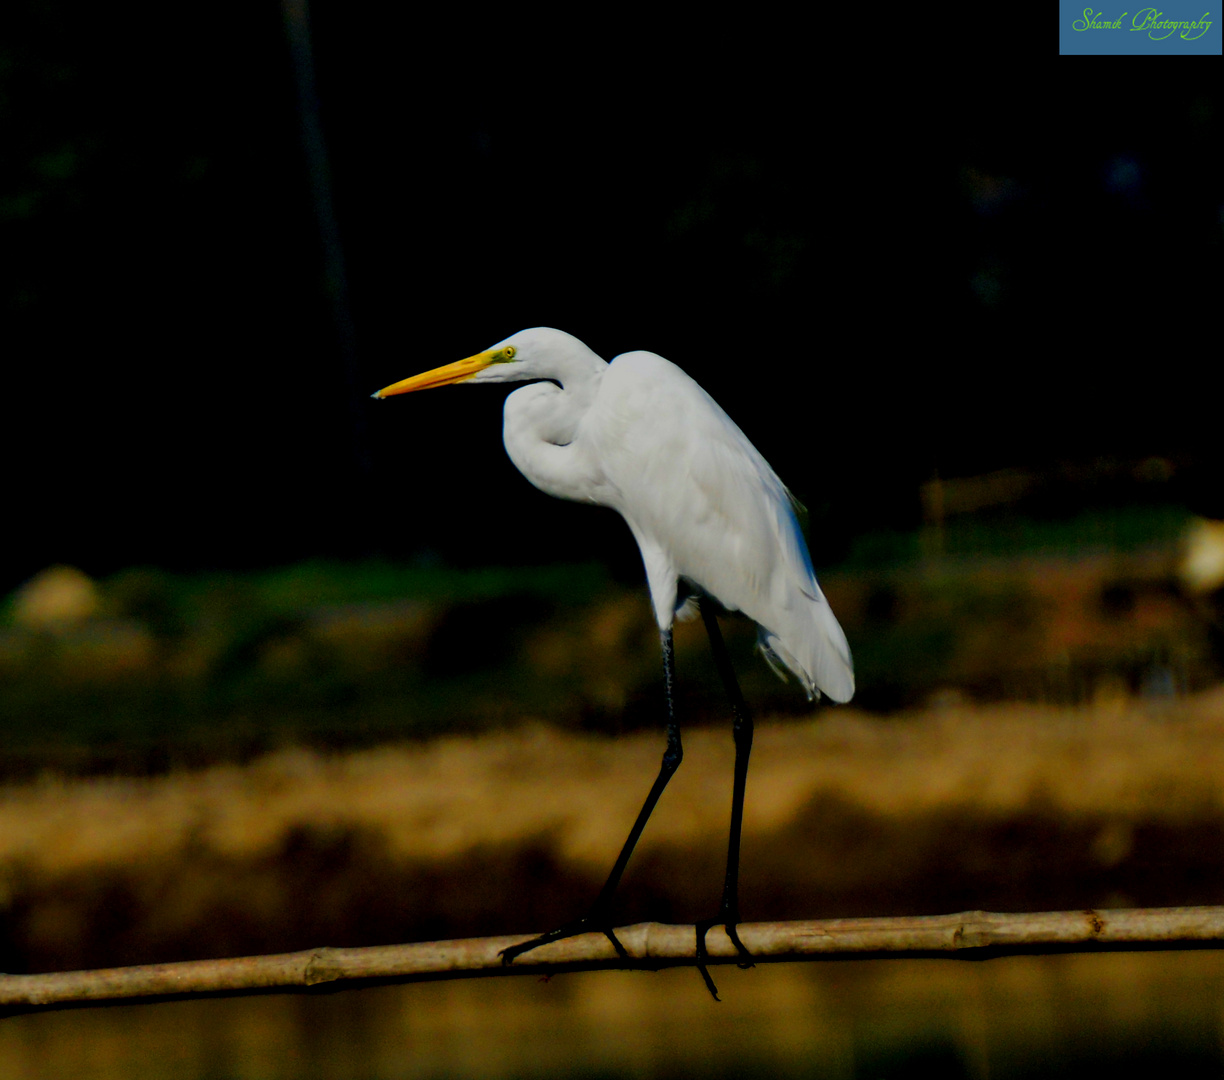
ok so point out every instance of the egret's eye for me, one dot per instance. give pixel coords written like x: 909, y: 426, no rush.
x: 508, y: 352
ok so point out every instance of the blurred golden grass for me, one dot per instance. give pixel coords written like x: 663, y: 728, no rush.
x: 1117, y: 757
x: 847, y: 813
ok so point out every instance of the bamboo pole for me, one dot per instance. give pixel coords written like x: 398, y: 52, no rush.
x: 968, y: 935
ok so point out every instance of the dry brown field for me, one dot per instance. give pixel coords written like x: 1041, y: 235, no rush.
x: 1017, y: 807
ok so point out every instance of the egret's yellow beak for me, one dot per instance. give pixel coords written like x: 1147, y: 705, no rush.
x: 450, y: 373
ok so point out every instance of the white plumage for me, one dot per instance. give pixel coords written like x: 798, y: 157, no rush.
x: 640, y: 436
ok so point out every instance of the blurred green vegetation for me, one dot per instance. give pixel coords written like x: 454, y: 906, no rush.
x: 1006, y: 534
x: 170, y: 668
x: 160, y: 669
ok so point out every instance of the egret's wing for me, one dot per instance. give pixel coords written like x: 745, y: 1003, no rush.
x: 770, y: 573
x: 692, y: 485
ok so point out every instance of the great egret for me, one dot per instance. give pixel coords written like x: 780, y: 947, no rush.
x: 712, y: 519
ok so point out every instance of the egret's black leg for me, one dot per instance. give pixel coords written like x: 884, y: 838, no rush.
x: 728, y: 912
x: 599, y: 917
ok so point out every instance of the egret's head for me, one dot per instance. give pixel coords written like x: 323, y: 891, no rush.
x: 540, y: 353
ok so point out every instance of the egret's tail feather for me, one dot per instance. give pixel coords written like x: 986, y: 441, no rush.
x: 780, y: 662
x: 818, y: 655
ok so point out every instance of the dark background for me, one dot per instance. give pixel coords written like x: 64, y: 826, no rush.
x: 884, y: 265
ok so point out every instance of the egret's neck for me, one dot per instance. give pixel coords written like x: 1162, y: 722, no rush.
x: 543, y: 430
x: 581, y: 380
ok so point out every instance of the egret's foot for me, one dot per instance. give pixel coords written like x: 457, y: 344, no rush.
x: 703, y: 956
x: 589, y: 924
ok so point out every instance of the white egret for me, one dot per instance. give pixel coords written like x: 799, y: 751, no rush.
x: 712, y: 519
